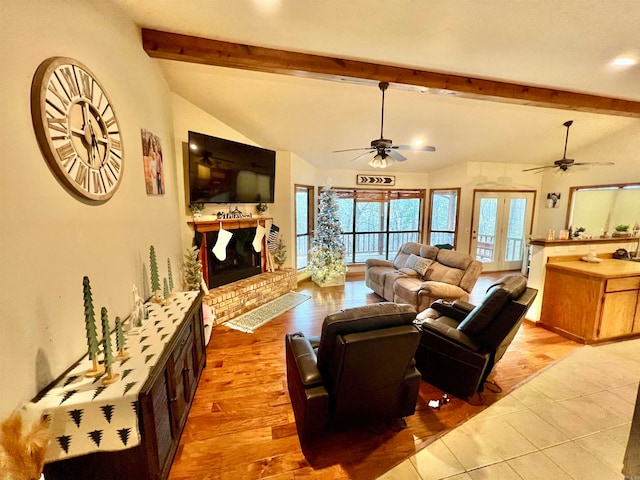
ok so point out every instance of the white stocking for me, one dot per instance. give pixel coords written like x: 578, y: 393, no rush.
x: 257, y: 242
x: 220, y: 248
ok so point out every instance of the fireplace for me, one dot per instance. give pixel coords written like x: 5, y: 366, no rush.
x: 242, y: 261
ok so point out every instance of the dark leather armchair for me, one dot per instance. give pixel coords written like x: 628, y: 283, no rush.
x: 360, y: 368
x: 461, y: 343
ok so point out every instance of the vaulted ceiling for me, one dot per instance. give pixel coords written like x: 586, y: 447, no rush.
x: 554, y: 54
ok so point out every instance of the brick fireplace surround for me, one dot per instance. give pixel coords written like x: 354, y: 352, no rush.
x: 234, y: 299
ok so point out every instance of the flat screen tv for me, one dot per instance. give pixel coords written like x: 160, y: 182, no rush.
x: 224, y: 171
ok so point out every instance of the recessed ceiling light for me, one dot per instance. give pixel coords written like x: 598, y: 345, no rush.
x: 418, y: 143
x: 624, y: 61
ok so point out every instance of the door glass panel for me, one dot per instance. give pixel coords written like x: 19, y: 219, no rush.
x: 487, y: 229
x: 515, y: 230
x: 303, y: 225
x: 302, y: 214
x: 443, y: 217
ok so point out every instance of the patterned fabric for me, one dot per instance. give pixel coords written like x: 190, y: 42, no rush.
x: 273, y: 236
x: 419, y: 264
x: 87, y: 416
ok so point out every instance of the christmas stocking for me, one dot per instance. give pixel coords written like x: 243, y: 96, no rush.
x: 273, y: 236
x: 220, y: 248
x: 257, y: 242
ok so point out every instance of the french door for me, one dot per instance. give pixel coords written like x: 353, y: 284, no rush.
x: 501, y: 221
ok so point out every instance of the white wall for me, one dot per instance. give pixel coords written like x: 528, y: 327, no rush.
x: 622, y: 148
x: 49, y: 240
x: 481, y: 176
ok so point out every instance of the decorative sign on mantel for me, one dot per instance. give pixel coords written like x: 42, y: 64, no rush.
x: 378, y: 180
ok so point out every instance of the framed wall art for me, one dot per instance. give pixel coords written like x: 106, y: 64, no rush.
x: 377, y: 180
x: 153, y: 163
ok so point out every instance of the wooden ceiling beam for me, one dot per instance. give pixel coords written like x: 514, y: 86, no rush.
x: 185, y: 48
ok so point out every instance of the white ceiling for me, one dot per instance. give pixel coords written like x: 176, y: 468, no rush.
x: 561, y: 44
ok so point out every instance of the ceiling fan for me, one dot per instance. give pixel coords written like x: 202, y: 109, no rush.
x: 564, y: 163
x: 386, y: 151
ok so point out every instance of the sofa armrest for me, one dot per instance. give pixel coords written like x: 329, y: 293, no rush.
x: 309, y: 397
x: 462, y: 305
x: 450, y: 309
x: 376, y: 262
x: 304, y: 356
x: 444, y: 329
x: 441, y: 290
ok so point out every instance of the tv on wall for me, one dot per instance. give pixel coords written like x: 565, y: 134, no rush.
x: 224, y: 171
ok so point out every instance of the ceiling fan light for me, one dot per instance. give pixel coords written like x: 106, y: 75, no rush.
x: 381, y: 160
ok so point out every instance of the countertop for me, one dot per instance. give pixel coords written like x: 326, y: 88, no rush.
x: 608, y: 268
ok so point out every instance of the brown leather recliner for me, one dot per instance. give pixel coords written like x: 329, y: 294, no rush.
x: 360, y: 368
x: 461, y: 343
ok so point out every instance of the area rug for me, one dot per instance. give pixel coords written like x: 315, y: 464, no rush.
x: 250, y: 321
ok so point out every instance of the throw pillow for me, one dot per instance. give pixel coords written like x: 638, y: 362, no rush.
x: 422, y: 265
x: 419, y: 264
x: 411, y: 261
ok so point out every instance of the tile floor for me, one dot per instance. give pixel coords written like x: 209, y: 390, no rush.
x: 571, y: 421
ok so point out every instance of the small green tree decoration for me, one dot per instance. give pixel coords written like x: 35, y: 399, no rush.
x: 167, y: 294
x: 280, y: 253
x: 90, y: 326
x: 120, y: 341
x: 170, y: 274
x: 155, y: 279
x: 192, y: 268
x: 327, y: 264
x: 110, y: 377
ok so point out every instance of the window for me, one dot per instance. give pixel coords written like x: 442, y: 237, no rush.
x: 375, y: 223
x: 443, y: 216
x: 304, y: 224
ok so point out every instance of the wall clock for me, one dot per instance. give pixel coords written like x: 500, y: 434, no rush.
x: 77, y: 129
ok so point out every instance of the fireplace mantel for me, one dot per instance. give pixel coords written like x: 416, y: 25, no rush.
x: 214, y: 225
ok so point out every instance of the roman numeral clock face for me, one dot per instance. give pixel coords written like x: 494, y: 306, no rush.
x: 77, y: 129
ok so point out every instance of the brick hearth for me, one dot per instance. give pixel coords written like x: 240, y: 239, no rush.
x: 234, y: 299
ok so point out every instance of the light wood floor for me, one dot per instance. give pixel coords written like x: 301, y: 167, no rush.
x: 241, y: 424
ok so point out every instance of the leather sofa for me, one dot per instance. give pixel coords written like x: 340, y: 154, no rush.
x: 360, y: 369
x: 420, y: 274
x: 461, y: 343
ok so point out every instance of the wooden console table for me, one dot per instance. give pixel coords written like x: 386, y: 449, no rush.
x: 592, y: 302
x: 129, y: 430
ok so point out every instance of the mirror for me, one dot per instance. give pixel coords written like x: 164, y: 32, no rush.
x: 597, y: 208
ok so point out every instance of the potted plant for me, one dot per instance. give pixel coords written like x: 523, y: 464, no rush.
x: 621, y: 231
x: 262, y: 208
x: 280, y: 253
x: 196, y: 210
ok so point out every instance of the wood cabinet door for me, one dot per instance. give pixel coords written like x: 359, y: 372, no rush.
x: 618, y: 311
x: 636, y: 321
x: 162, y: 421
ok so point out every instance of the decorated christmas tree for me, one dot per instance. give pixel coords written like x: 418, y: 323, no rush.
x: 327, y: 265
x: 192, y: 269
x: 120, y: 341
x: 90, y: 325
x: 110, y: 377
x: 155, y: 279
